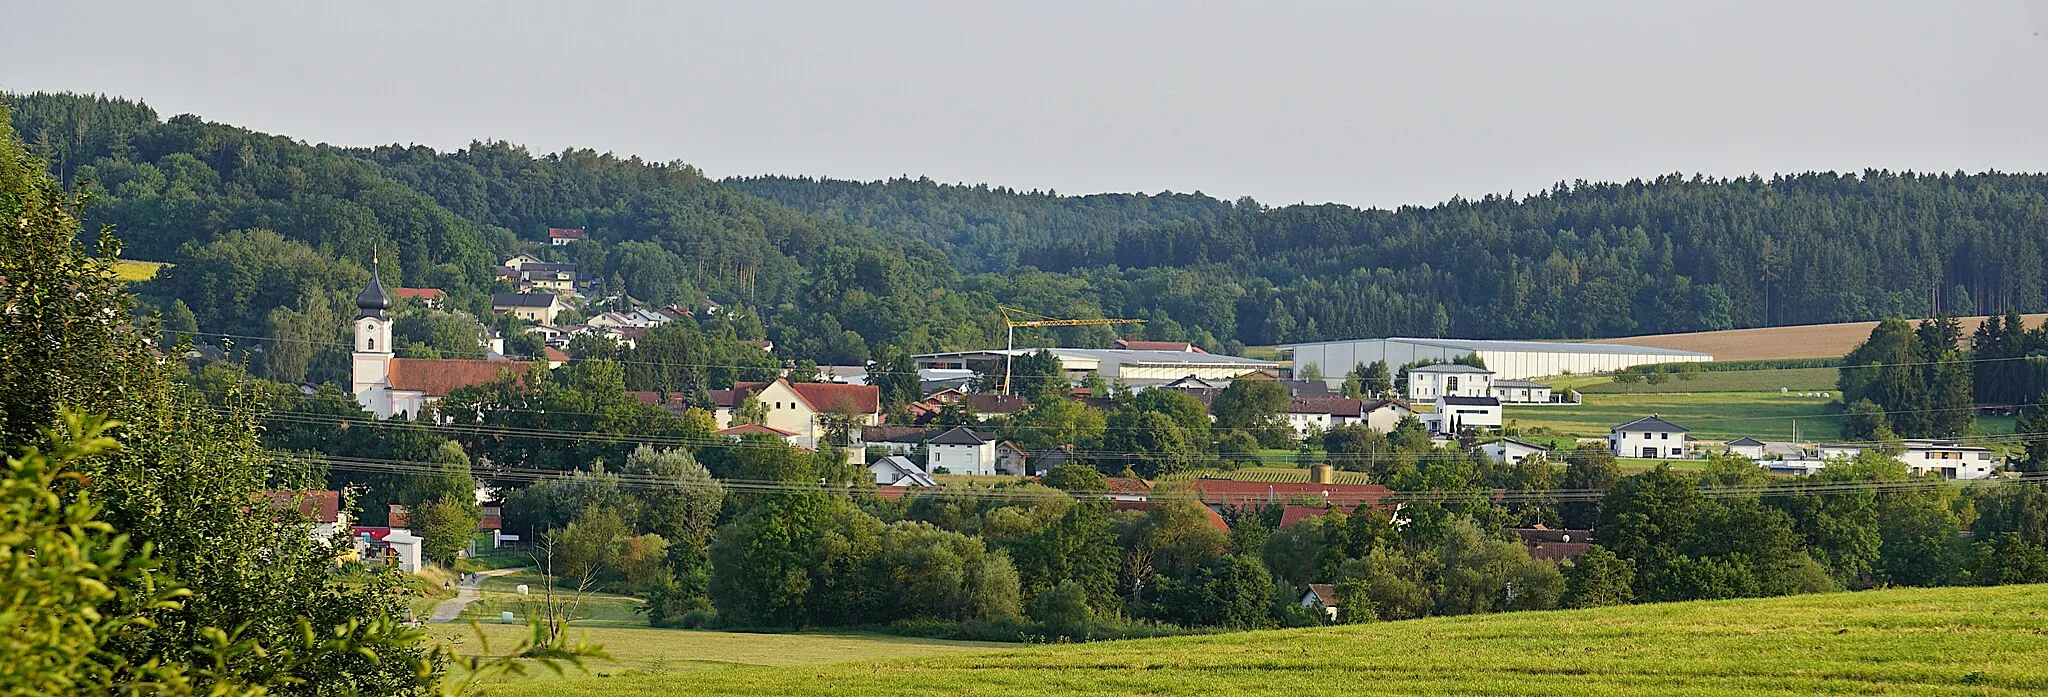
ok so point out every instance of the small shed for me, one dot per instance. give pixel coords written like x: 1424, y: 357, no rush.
x: 1322, y: 595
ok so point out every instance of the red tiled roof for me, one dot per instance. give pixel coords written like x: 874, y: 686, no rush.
x: 436, y: 377
x: 753, y: 430
x: 1327, y: 593
x: 1233, y: 492
x: 1289, y: 515
x: 826, y: 396
x: 1558, y: 551
x: 891, y: 493
x: 1127, y: 485
x: 996, y: 403
x: 1215, y: 519
x: 491, y: 522
x: 573, y: 233
x: 554, y: 354
x: 725, y: 398
x: 1158, y: 346
x: 418, y: 293
x: 317, y: 506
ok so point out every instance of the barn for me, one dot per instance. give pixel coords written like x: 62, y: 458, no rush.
x: 1509, y: 360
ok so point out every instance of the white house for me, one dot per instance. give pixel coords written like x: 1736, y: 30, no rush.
x: 897, y: 470
x: 405, y: 549
x: 1947, y: 459
x: 519, y: 261
x: 1383, y: 414
x: 1521, y: 391
x: 1448, y: 380
x: 961, y: 450
x: 1649, y: 437
x: 1457, y: 413
x: 1512, y: 451
x: 560, y: 236
x: 803, y: 409
x: 539, y: 308
x: 1747, y: 447
x: 1324, y: 596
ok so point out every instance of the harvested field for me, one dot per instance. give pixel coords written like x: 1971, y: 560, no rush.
x: 1764, y: 343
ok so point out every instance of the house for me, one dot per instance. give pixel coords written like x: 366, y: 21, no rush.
x: 388, y: 386
x: 1230, y: 492
x: 1649, y: 437
x: 1521, y: 392
x: 539, y: 308
x: 430, y: 297
x: 1944, y: 458
x: 1322, y: 597
x: 553, y: 278
x: 551, y: 335
x: 805, y: 409
x: 1747, y: 447
x: 1512, y: 451
x: 1157, y: 346
x: 1383, y: 414
x: 390, y: 546
x: 519, y: 261
x: 1554, y: 545
x: 1429, y: 382
x: 899, y: 471
x: 1312, y: 415
x: 1456, y: 413
x: 319, y: 511
x: 961, y: 450
x: 555, y: 357
x: 558, y: 236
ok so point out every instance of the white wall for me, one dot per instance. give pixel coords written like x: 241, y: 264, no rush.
x: 1337, y: 357
x: 1631, y: 443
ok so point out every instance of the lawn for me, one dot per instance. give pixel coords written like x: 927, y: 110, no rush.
x: 1952, y: 641
x: 1715, y: 416
x: 642, y: 649
x: 134, y: 271
x: 1771, y: 380
x: 500, y: 593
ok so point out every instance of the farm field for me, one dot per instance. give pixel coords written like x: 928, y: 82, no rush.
x: 1949, y: 641
x: 134, y: 271
x: 1807, y: 341
x: 1711, y: 415
x: 1793, y: 379
x: 646, y: 650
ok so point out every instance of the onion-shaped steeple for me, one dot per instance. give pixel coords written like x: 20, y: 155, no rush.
x: 373, y: 301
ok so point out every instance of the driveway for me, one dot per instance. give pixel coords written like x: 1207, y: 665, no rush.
x: 466, y: 593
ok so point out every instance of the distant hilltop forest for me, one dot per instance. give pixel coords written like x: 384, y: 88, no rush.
x: 835, y: 270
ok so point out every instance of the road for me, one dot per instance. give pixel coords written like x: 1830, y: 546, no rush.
x: 466, y: 593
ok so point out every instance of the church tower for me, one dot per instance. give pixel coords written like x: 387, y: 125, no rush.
x: 372, y: 384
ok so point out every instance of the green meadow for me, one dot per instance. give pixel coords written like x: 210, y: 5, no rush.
x: 1951, y: 641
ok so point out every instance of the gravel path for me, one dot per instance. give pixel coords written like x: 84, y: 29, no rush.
x: 466, y: 593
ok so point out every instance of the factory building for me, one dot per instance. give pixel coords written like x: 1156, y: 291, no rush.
x: 1509, y: 360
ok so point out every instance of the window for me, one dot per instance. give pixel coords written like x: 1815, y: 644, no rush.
x: 1665, y: 436
x: 1649, y: 452
x: 373, y: 343
x: 1450, y: 384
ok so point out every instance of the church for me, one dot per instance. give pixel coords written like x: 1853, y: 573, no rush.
x: 393, y: 387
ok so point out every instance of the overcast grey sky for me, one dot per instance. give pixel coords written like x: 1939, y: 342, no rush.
x: 1369, y: 104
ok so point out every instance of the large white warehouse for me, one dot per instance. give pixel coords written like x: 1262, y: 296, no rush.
x: 1509, y: 360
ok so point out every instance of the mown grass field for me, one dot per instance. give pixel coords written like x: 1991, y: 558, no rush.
x: 644, y: 650
x: 1953, y: 641
x: 1716, y: 416
x: 134, y: 271
x: 1791, y: 379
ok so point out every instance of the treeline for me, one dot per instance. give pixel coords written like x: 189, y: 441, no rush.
x: 1584, y: 259
x: 255, y: 222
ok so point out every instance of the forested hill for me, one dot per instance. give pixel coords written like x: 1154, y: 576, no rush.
x: 271, y: 236
x: 1590, y: 259
x: 257, y: 223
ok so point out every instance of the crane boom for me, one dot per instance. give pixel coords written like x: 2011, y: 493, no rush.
x: 1013, y: 323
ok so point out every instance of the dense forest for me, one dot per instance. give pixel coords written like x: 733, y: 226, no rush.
x: 836, y: 270
x: 1584, y: 259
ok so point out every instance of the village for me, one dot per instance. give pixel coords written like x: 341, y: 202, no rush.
x: 1461, y: 393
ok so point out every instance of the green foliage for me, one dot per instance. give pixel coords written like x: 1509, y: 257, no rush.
x: 1258, y: 407
x: 1598, y: 578
x: 446, y: 526
x: 1073, y: 477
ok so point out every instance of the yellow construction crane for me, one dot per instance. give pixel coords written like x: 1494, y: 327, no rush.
x: 1010, y: 315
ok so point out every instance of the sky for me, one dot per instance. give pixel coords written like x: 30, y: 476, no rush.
x: 1369, y: 104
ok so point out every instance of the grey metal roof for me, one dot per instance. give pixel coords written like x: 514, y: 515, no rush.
x: 960, y: 435
x: 1518, y: 383
x: 1650, y: 423
x: 1526, y: 346
x: 373, y: 301
x: 1447, y: 368
x: 1455, y: 400
x: 1745, y: 441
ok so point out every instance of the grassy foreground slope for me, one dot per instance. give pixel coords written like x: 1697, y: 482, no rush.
x: 1956, y: 641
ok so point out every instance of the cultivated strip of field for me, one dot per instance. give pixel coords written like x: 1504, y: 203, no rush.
x: 647, y: 650
x: 134, y: 271
x: 1762, y: 380
x: 1951, y: 641
x: 1764, y: 343
x: 1717, y: 416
